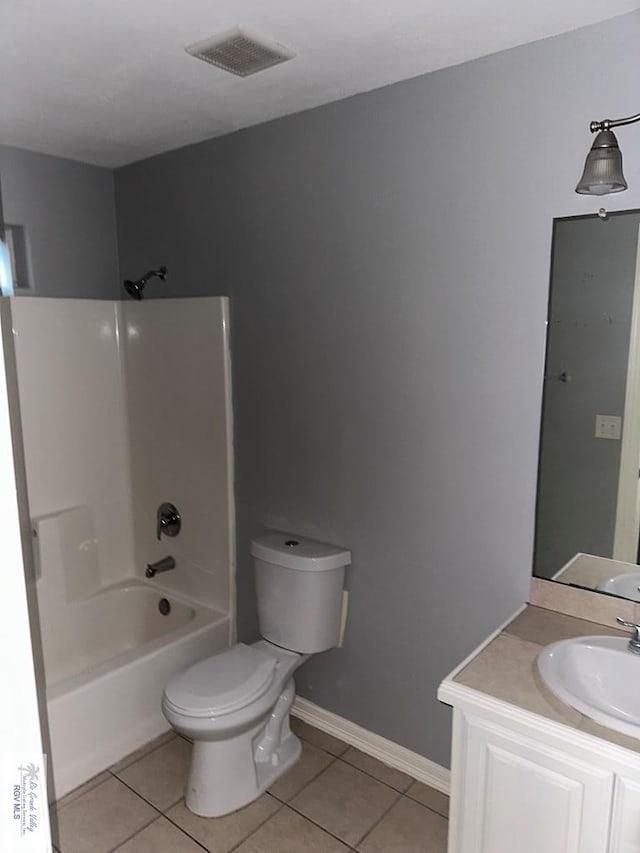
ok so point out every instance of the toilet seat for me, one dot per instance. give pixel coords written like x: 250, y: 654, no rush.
x: 221, y: 684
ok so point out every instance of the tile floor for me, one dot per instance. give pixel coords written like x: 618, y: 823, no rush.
x: 334, y: 799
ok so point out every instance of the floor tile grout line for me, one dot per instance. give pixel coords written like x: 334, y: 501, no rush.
x: 313, y: 779
x: 164, y: 814
x: 138, y: 794
x: 184, y: 831
x: 340, y: 758
x: 155, y: 808
x: 371, y: 776
x: 110, y: 772
x: 266, y: 820
x: 140, y: 757
x: 360, y: 770
x: 317, y: 746
x: 281, y: 805
x: 425, y: 806
x: 54, y: 805
x: 399, y: 796
x: 379, y: 820
x: 133, y: 835
x: 281, y: 802
x: 377, y: 778
x: 335, y: 758
x: 319, y: 826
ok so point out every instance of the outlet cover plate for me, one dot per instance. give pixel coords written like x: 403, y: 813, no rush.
x: 608, y: 426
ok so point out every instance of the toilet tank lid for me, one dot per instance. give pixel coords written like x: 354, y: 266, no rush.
x: 296, y: 552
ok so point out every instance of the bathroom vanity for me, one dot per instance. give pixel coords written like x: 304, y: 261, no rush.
x: 530, y: 774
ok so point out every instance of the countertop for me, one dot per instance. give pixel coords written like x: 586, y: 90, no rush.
x: 506, y: 669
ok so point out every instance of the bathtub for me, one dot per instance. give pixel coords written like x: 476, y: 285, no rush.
x: 106, y: 661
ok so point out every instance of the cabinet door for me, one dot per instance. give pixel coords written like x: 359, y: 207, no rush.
x: 625, y: 819
x: 512, y: 793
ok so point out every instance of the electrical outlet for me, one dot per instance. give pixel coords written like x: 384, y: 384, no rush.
x: 608, y: 426
x: 343, y: 617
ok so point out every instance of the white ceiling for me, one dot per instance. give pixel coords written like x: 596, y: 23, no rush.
x: 108, y: 81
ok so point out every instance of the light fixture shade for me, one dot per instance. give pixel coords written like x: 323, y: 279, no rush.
x: 603, y: 167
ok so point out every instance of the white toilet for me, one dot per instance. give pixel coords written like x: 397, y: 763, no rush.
x: 235, y: 705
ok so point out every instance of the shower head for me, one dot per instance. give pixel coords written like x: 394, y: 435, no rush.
x: 135, y: 288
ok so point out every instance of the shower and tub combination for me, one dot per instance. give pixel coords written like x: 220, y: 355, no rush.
x: 124, y: 422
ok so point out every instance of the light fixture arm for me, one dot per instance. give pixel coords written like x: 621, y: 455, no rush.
x: 608, y: 123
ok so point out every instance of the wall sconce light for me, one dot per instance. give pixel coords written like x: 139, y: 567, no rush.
x: 603, y: 167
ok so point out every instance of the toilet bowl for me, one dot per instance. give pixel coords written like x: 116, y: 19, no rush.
x: 235, y: 705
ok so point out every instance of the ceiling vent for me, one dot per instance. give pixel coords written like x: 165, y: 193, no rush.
x: 240, y: 52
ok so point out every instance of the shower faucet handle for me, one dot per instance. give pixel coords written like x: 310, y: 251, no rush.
x: 168, y: 520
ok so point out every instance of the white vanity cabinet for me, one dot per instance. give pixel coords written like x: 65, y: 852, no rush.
x: 625, y: 816
x: 521, y: 783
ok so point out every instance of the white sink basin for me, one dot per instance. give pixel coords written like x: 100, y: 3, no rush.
x: 597, y: 676
x: 626, y: 585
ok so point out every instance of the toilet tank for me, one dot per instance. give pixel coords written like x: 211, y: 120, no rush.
x: 299, y: 590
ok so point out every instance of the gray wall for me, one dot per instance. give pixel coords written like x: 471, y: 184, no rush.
x: 387, y: 259
x: 593, y: 276
x: 68, y: 211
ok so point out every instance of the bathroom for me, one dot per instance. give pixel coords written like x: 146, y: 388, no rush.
x: 387, y: 271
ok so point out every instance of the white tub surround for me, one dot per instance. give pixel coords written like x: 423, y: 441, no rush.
x: 66, y: 543
x: 123, y: 406
x: 178, y: 400
x: 529, y: 773
x: 74, y: 423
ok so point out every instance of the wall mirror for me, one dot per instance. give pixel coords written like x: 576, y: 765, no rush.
x: 588, y: 501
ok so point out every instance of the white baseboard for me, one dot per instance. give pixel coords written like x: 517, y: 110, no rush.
x: 399, y: 757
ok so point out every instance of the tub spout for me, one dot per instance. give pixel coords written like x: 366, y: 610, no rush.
x: 160, y: 566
